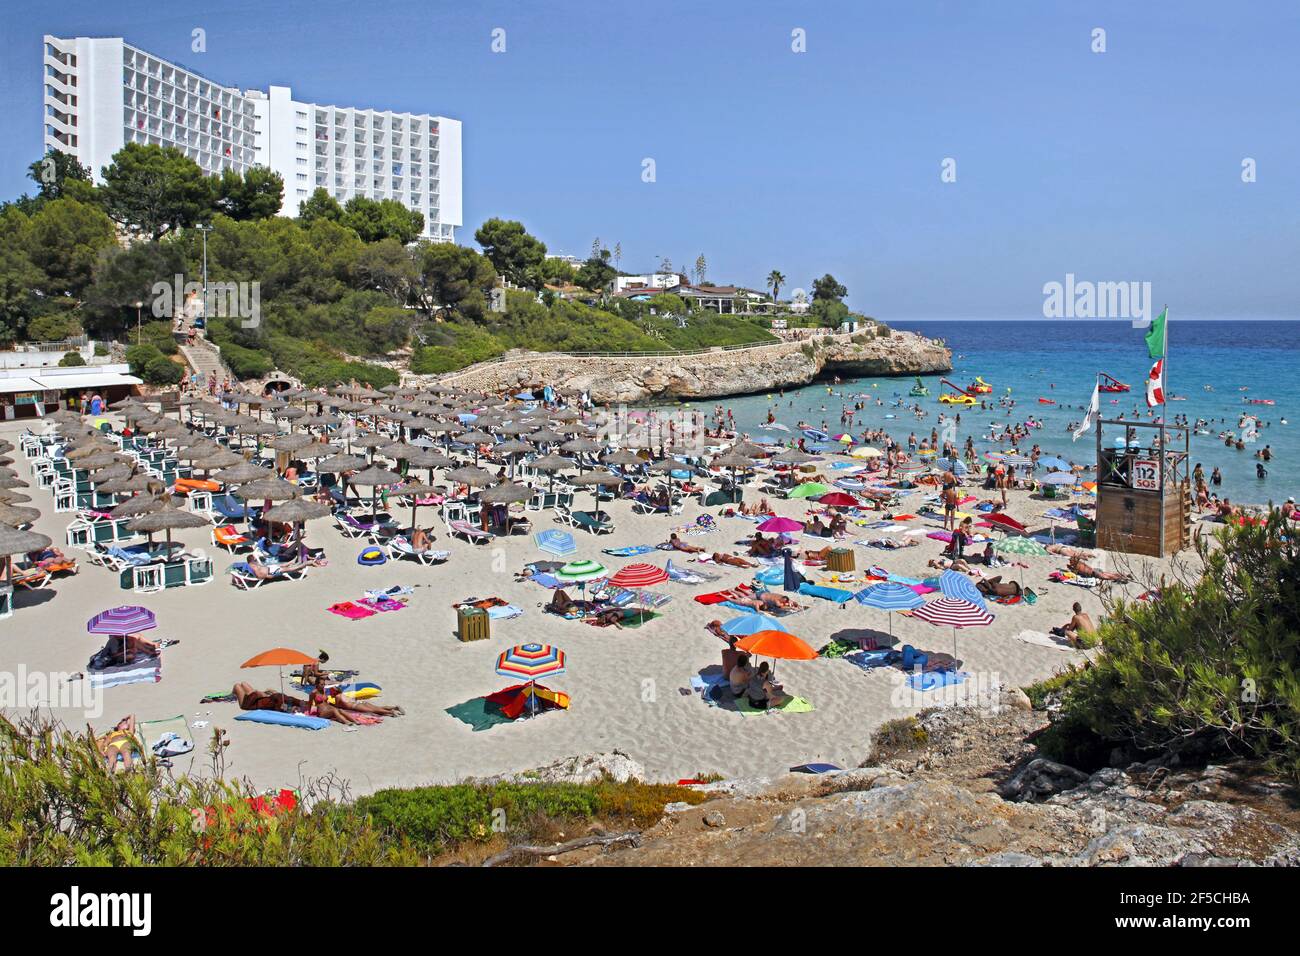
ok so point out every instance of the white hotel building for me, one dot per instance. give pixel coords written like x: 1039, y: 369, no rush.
x: 101, y: 93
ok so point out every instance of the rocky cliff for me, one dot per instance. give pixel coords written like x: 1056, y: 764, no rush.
x: 974, y: 792
x: 712, y: 374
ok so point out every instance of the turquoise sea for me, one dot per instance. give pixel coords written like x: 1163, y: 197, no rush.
x: 1059, y: 360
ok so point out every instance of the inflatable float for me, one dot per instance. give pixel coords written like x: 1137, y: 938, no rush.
x: 979, y: 386
x: 1109, y: 383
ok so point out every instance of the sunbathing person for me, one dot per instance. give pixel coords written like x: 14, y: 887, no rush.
x: 267, y: 570
x: 250, y: 698
x: 118, y: 743
x: 1068, y: 552
x: 761, y: 547
x: 1079, y: 623
x: 996, y: 587
x: 894, y: 543
x: 715, y: 628
x: 607, y: 616
x: 343, y: 709
x: 675, y: 543
x: 733, y: 560
x: 131, y: 646
x: 1085, y: 570
x: 767, y: 601
x: 421, y: 540
x: 950, y: 564
x: 820, y: 556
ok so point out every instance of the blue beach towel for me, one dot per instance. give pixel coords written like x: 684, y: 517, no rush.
x: 629, y: 552
x: 933, y: 680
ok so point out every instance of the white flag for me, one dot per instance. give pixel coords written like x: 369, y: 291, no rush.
x: 1094, y: 407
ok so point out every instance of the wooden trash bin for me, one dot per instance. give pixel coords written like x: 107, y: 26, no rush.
x: 473, y: 624
x: 840, y: 560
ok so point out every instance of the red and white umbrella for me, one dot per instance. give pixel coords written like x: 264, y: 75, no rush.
x: 641, y: 575
x: 954, y: 613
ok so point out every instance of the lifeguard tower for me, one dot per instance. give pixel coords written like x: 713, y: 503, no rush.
x: 1144, y: 495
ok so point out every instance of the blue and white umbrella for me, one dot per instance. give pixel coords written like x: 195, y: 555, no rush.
x: 889, y: 596
x: 954, y: 585
x: 556, y: 542
x: 1059, y: 478
x: 1053, y: 462
x: 955, y: 465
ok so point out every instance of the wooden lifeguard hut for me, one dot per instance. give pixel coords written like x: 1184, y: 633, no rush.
x: 1144, y: 494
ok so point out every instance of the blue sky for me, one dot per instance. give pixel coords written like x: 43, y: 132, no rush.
x: 1123, y: 165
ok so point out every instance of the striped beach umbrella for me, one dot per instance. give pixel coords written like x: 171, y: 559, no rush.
x: 638, y: 575
x: 580, y: 572
x: 954, y: 585
x: 556, y: 542
x: 889, y: 596
x: 121, y: 621
x: 531, y: 661
x: 954, y: 613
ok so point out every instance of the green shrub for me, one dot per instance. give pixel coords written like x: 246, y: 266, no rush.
x: 246, y: 363
x: 53, y: 328
x: 435, y: 819
x: 61, y: 808
x: 71, y: 359
x: 138, y: 357
x: 897, y: 737
x: 1210, y: 670
x: 162, y: 371
x: 101, y: 349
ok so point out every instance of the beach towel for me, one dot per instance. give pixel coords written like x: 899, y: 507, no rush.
x: 839, y: 647
x: 1041, y: 639
x: 720, y: 597
x: 397, y: 590
x: 350, y: 610
x: 302, y: 721
x: 549, y: 581
x: 795, y: 705
x: 146, y: 671
x: 933, y: 680
x: 629, y: 552
x: 870, y: 660
x: 940, y: 535
x: 504, y: 612
x: 383, y: 603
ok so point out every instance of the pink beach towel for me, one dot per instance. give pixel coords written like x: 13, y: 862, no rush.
x: 351, y: 610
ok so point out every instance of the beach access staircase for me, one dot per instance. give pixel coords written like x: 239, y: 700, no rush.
x: 205, y: 358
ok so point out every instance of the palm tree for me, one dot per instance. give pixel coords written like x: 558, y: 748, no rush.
x: 774, y: 282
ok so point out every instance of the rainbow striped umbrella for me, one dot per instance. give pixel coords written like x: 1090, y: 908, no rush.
x: 531, y: 661
x: 953, y: 613
x: 121, y: 621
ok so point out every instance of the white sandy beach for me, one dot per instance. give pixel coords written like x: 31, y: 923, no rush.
x: 630, y: 688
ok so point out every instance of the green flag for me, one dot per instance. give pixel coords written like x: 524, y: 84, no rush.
x: 1158, y: 336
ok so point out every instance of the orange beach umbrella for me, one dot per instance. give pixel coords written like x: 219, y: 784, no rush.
x: 777, y: 644
x: 280, y: 657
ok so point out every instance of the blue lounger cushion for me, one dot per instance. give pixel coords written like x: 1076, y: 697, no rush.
x: 284, y: 720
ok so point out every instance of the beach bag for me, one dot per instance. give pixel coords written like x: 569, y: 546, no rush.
x: 1029, y: 596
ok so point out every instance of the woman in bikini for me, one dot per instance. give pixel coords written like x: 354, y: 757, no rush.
x: 733, y: 560
x: 119, y: 742
x: 342, y: 709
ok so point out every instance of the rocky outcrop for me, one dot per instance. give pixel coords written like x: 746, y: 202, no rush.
x: 977, y: 793
x: 712, y: 374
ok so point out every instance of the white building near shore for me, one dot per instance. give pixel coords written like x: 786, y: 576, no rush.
x: 102, y: 93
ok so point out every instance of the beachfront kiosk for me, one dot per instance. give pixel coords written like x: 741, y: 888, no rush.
x: 1144, y: 495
